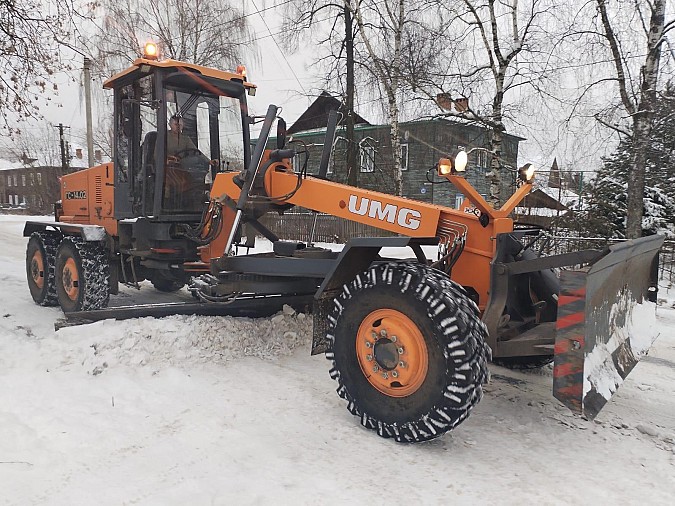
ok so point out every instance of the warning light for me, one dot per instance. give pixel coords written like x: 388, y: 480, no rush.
x: 150, y: 52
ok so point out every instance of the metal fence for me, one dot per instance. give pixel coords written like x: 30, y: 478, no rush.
x: 317, y: 227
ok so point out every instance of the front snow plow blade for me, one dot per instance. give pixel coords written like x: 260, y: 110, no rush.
x: 606, y: 323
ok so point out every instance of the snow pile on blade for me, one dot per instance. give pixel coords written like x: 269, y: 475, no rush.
x: 633, y: 330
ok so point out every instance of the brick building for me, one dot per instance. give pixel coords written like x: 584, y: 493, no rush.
x: 33, y: 188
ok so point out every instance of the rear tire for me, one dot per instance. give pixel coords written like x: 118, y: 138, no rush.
x: 82, y: 275
x: 430, y: 387
x: 40, y: 260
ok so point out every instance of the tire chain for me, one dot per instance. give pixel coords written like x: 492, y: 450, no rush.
x: 96, y: 273
x: 440, y: 294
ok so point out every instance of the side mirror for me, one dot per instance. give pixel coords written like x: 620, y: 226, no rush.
x: 281, y: 133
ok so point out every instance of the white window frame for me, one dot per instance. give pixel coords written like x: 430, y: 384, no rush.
x: 9, y: 181
x: 367, y: 159
x: 16, y: 180
x: 482, y: 159
x: 404, y: 155
x: 39, y: 178
x: 23, y: 179
x: 459, y: 199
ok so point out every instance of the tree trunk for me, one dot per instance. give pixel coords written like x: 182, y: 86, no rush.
x: 395, y: 145
x: 497, y: 136
x: 352, y: 152
x: 642, y: 121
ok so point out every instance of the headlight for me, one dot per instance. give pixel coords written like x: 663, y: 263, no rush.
x: 526, y: 172
x: 451, y: 166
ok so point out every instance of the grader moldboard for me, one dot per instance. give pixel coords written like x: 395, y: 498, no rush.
x: 408, y: 340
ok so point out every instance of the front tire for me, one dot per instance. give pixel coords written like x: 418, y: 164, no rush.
x: 82, y: 275
x: 408, y: 351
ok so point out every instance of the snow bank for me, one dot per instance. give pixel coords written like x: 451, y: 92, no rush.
x: 181, y: 340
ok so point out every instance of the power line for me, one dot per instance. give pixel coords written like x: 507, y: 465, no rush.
x: 277, y: 44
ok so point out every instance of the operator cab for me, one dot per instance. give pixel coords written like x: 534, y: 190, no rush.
x: 176, y: 125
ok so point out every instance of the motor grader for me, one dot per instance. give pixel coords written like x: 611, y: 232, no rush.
x: 408, y: 340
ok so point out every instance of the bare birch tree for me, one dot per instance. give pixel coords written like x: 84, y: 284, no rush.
x: 484, y: 57
x: 637, y: 90
x: 383, y: 29
x: 339, y: 63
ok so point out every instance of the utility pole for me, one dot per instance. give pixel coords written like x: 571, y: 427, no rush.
x: 64, y: 153
x: 87, y: 104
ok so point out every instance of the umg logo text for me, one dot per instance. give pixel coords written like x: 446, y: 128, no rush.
x: 404, y: 217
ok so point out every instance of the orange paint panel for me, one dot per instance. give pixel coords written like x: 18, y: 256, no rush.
x: 380, y: 210
x: 387, y: 212
x: 87, y: 197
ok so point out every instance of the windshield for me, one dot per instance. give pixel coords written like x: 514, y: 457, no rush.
x: 204, y: 135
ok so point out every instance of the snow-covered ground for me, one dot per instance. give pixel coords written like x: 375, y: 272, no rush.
x: 210, y: 410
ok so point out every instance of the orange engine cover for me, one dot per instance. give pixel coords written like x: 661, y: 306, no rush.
x: 88, y: 196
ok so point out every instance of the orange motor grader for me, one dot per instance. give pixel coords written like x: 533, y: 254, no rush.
x: 407, y: 340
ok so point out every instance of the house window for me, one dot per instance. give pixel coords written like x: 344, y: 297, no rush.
x: 39, y: 178
x: 32, y: 179
x: 9, y: 180
x: 404, y: 156
x: 482, y: 159
x: 16, y: 181
x: 367, y: 158
x: 459, y: 198
x: 23, y: 179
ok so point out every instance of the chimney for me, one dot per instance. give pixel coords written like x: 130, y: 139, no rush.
x: 444, y: 101
x: 461, y: 104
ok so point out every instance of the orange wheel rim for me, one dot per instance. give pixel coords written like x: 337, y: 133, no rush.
x: 392, y: 353
x: 71, y: 281
x: 37, y: 269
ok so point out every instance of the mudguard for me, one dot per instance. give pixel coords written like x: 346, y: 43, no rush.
x: 606, y: 323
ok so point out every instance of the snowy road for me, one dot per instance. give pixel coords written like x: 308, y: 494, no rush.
x: 206, y: 410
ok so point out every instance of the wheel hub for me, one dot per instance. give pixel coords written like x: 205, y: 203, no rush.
x: 70, y: 279
x: 37, y: 269
x: 392, y: 352
x: 385, y: 353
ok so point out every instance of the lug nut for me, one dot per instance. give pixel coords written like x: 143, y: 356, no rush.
x: 401, y: 364
x: 393, y: 339
x: 369, y: 358
x: 368, y: 344
x: 400, y: 350
x: 383, y: 333
x: 375, y: 368
x: 394, y: 374
x: 385, y: 375
x: 375, y: 336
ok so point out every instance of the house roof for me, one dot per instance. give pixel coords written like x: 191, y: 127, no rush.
x: 316, y: 115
